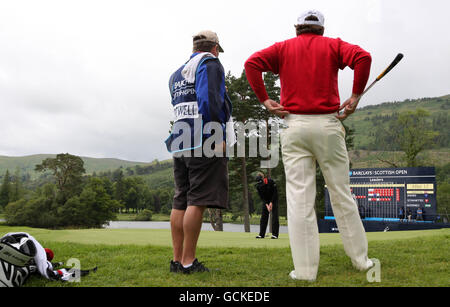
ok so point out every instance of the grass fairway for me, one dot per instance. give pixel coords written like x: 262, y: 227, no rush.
x: 141, y: 258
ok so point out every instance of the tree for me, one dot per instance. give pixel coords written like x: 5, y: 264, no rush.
x: 415, y: 134
x: 443, y: 190
x: 410, y: 132
x: 156, y: 202
x: 131, y: 199
x: 16, y: 187
x: 216, y: 219
x: 441, y: 123
x: 247, y: 110
x: 443, y: 199
x: 68, y: 171
x: 98, y: 206
x: 136, y: 193
x: 119, y: 188
x: 69, y: 202
x: 349, y: 137
x: 5, y: 190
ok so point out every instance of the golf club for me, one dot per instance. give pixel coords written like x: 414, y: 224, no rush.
x: 397, y: 59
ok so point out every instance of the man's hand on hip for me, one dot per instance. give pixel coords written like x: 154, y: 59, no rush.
x: 275, y: 108
x: 349, y: 107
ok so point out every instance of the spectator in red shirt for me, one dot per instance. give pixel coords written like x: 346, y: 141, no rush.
x: 308, y: 66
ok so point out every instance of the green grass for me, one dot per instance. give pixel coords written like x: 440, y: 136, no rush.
x: 130, y: 257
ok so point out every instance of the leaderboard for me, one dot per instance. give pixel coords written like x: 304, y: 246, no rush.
x: 392, y: 193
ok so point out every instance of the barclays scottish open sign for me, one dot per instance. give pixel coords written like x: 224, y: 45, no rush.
x: 389, y: 194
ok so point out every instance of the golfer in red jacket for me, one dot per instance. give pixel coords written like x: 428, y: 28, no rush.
x: 308, y: 66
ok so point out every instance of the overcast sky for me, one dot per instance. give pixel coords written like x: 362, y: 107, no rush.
x: 90, y: 77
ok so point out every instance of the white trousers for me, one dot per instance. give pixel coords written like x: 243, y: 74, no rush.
x: 320, y: 138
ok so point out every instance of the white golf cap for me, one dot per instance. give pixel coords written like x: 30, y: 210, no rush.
x: 302, y: 19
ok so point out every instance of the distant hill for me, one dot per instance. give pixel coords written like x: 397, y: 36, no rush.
x: 27, y: 164
x: 375, y: 159
x: 364, y: 122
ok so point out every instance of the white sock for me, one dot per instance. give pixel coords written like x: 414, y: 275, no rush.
x: 187, y: 266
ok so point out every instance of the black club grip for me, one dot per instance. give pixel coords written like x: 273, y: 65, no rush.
x: 397, y: 59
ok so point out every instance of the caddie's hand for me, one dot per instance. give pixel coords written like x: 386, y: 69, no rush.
x: 275, y: 108
x: 349, y: 107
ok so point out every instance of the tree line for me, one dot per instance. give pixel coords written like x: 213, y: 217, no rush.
x: 395, y: 132
x: 74, y: 199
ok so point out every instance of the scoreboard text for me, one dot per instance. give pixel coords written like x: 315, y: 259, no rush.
x: 392, y: 194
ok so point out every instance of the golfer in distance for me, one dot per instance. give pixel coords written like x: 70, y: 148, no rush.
x: 308, y: 66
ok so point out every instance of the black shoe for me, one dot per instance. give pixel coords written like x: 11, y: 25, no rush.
x: 196, y: 267
x: 259, y: 237
x: 274, y: 237
x: 175, y: 267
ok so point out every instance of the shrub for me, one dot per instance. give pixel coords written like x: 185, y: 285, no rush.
x: 144, y: 215
x: 34, y: 213
x: 72, y: 213
x: 15, y: 214
x: 92, y: 208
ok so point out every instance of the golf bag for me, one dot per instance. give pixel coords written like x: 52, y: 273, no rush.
x: 16, y: 260
x: 21, y: 255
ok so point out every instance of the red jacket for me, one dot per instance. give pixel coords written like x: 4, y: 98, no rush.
x: 308, y: 67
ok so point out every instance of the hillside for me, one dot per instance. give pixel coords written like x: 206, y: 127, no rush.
x: 374, y: 159
x: 366, y: 120
x: 26, y: 164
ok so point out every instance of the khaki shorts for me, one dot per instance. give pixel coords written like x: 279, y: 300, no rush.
x: 200, y: 182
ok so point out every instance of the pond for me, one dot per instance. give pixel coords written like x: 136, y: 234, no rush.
x: 166, y: 225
